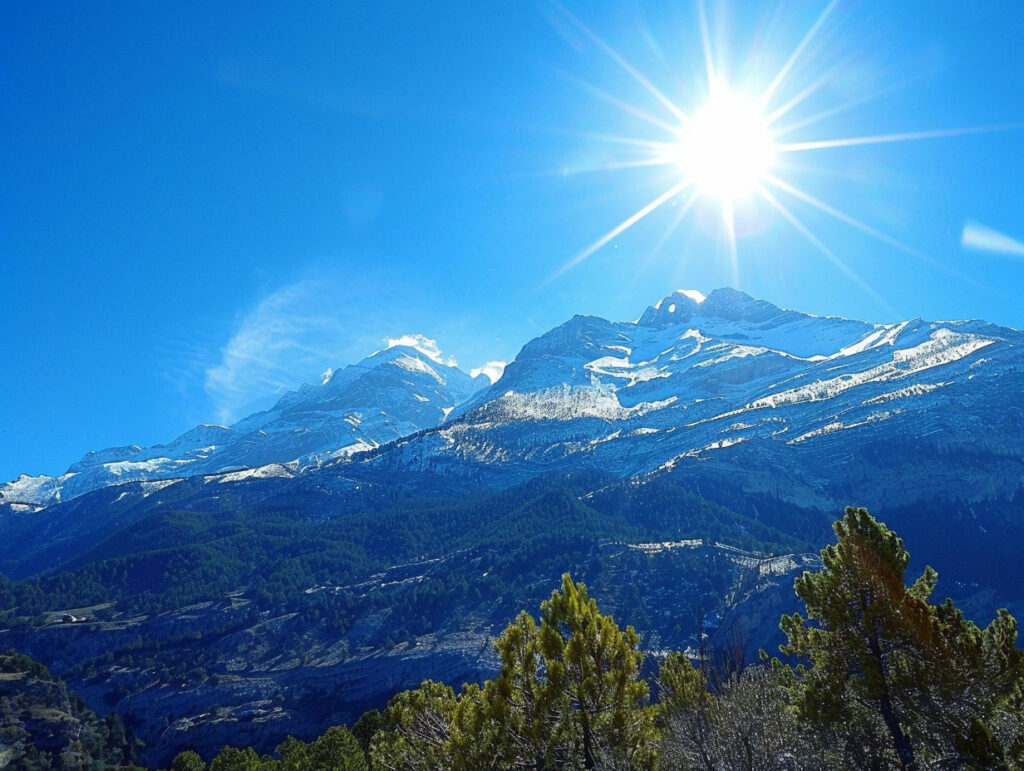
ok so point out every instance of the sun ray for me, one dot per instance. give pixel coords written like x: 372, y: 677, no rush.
x: 796, y: 100
x: 825, y: 144
x: 705, y: 39
x: 777, y: 81
x: 568, y: 171
x: 832, y: 256
x: 610, y: 166
x: 848, y: 105
x: 729, y: 220
x: 626, y: 107
x: 612, y: 139
x: 865, y: 228
x: 621, y: 227
x: 727, y: 147
x: 677, y: 219
x: 625, y: 65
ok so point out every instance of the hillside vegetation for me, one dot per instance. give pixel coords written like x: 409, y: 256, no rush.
x: 883, y: 679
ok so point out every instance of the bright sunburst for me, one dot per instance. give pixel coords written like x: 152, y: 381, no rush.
x: 730, y: 149
x: 726, y: 148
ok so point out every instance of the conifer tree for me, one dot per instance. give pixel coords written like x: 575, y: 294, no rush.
x: 418, y: 730
x: 569, y: 694
x: 932, y: 680
x: 188, y: 760
x: 338, y: 750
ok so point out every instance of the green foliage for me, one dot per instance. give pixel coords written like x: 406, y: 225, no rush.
x: 236, y: 759
x: 366, y: 726
x: 883, y: 659
x: 337, y: 750
x: 681, y: 684
x: 569, y: 695
x: 334, y: 750
x: 418, y: 730
x: 188, y: 760
x: 593, y: 681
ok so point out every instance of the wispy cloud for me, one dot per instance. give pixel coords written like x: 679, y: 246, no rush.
x: 493, y: 370
x: 302, y: 332
x: 985, y: 239
x: 291, y: 335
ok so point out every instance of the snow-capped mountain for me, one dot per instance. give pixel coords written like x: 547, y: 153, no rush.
x: 815, y: 410
x: 774, y: 398
x: 390, y: 394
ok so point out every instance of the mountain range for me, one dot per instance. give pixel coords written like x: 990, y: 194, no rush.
x: 301, y: 565
x: 390, y: 394
x: 726, y: 381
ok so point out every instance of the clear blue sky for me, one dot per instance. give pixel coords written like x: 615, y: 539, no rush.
x: 206, y: 202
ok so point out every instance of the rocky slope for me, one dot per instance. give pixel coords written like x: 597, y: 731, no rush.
x: 268, y: 674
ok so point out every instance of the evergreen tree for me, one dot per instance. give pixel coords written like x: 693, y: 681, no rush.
x: 236, y: 759
x: 882, y: 656
x: 366, y: 726
x: 593, y: 670
x: 336, y: 750
x: 293, y: 754
x: 569, y: 694
x: 418, y: 730
x: 188, y: 760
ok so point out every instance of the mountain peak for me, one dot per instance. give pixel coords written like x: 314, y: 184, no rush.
x: 675, y: 308
x: 421, y: 344
x: 732, y: 304
x: 724, y: 303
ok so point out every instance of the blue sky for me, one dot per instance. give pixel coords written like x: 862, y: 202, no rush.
x: 207, y: 202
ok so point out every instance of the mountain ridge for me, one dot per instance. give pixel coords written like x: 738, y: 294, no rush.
x: 592, y: 392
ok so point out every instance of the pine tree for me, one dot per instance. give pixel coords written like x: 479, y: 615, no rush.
x: 883, y: 658
x: 593, y: 670
x: 569, y: 694
x: 188, y: 760
x: 236, y: 759
x: 337, y: 750
x: 418, y: 730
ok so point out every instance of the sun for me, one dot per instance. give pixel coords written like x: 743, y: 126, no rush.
x: 726, y: 148
x: 735, y: 149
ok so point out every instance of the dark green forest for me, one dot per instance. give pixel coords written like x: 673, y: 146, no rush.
x: 873, y: 676
x: 174, y: 558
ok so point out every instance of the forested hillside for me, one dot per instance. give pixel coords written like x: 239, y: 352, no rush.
x: 883, y: 679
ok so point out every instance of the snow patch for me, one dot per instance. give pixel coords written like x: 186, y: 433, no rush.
x: 918, y: 389
x: 413, y: 364
x: 565, y: 402
x: 269, y: 471
x: 148, y: 488
x: 838, y: 425
x: 425, y: 345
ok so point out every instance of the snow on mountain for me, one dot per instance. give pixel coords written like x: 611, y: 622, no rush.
x: 403, y: 389
x: 728, y: 384
x: 696, y: 377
